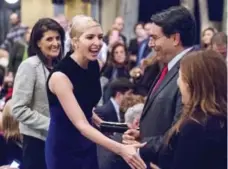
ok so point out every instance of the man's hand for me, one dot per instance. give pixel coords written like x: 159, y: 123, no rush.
x: 130, y: 136
x: 130, y: 155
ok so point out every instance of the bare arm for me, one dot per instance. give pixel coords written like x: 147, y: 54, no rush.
x: 61, y: 86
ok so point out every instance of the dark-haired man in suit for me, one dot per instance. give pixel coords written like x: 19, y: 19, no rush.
x: 110, y: 111
x: 172, y: 37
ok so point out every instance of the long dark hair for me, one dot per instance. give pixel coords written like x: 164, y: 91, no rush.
x: 205, y: 73
x: 112, y: 61
x: 203, y: 45
x: 43, y: 25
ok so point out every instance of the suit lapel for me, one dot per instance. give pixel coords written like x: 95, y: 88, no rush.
x: 149, y: 93
x: 164, y: 83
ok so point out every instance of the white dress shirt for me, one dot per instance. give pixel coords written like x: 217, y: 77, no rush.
x: 116, y: 107
x: 177, y: 58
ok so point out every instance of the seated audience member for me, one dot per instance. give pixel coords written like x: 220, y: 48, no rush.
x: 219, y: 43
x: 2, y: 78
x: 110, y: 111
x: 144, y: 75
x: 133, y: 114
x: 2, y: 75
x: 130, y: 101
x: 134, y: 44
x: 144, y: 50
x: 117, y: 25
x: 198, y: 140
x: 109, y: 160
x: 11, y: 138
x: 207, y: 34
x: 117, y: 65
x: 19, y: 53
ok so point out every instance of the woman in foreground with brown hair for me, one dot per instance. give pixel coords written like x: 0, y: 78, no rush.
x: 198, y: 140
x: 11, y: 138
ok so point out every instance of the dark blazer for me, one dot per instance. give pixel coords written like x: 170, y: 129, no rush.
x: 144, y: 82
x: 107, y: 112
x: 110, y: 160
x: 161, y: 111
x: 9, y: 151
x: 133, y: 47
x: 121, y: 72
x: 197, y: 146
x: 146, y: 50
x: 16, y: 56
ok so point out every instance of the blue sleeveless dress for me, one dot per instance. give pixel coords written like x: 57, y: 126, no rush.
x: 66, y: 147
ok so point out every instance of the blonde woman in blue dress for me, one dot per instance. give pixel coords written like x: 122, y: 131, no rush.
x: 73, y: 90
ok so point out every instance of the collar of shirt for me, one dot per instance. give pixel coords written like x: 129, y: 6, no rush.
x: 116, y: 107
x: 177, y: 58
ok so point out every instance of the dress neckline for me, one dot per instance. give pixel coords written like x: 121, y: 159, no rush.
x: 75, y: 62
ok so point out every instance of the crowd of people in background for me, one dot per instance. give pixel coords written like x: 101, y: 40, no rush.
x: 60, y: 79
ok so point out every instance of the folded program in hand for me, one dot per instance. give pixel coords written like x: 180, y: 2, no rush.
x: 111, y: 127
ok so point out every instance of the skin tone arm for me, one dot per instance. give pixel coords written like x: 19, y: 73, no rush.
x: 60, y: 85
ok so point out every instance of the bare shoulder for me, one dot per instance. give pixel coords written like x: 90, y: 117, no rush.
x: 59, y: 80
x: 58, y: 76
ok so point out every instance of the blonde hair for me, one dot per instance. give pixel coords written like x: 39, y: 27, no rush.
x: 10, y: 126
x: 80, y: 23
x: 130, y: 101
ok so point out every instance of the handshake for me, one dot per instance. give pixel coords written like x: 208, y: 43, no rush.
x: 129, y: 142
x: 130, y: 137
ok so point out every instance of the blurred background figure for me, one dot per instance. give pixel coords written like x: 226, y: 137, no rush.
x: 19, y: 53
x: 207, y: 34
x: 10, y: 139
x: 219, y: 43
x: 16, y: 32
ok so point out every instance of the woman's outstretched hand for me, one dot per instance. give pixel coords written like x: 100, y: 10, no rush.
x: 130, y: 155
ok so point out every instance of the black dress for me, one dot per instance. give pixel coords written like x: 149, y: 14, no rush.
x: 66, y: 147
x: 197, y: 146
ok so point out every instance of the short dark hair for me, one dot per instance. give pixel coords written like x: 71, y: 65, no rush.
x: 137, y: 24
x: 219, y: 38
x: 43, y: 25
x: 177, y: 19
x: 120, y: 85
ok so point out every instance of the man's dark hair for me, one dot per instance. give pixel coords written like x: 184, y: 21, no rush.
x: 219, y: 38
x: 177, y: 19
x: 120, y: 85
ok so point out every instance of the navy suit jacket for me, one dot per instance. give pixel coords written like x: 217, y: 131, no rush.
x: 107, y: 112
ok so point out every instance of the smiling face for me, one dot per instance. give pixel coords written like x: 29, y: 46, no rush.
x: 207, y: 36
x: 90, y: 42
x: 165, y: 47
x: 119, y: 54
x: 50, y: 44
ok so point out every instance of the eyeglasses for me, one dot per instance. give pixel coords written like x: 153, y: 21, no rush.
x: 154, y: 38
